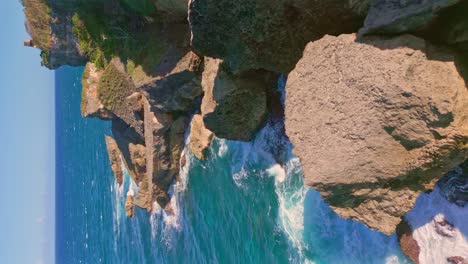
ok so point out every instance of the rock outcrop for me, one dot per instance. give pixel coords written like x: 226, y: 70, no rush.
x: 375, y: 122
x: 235, y: 106
x: 270, y: 35
x: 200, y: 137
x: 129, y: 205
x: 115, y: 159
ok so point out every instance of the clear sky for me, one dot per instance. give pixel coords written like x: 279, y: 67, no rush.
x: 27, y: 155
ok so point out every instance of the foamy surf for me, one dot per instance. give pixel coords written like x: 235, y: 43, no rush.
x: 440, y: 228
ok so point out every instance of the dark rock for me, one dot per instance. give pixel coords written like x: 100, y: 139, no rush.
x: 454, y: 185
x: 409, y: 246
x: 457, y: 260
x: 235, y: 106
x: 271, y: 35
x: 440, y: 21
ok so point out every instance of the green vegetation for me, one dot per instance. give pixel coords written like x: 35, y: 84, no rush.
x: 113, y: 87
x: 38, y: 15
x: 124, y: 31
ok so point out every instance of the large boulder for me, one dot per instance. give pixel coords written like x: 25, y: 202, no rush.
x: 271, y: 35
x: 375, y: 122
x: 235, y: 106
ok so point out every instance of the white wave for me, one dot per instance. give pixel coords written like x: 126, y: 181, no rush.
x: 278, y: 172
x: 440, y: 228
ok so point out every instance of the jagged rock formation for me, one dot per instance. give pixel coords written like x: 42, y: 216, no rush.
x: 268, y: 35
x: 235, y: 106
x: 129, y: 205
x: 115, y: 159
x: 200, y: 137
x: 375, y: 122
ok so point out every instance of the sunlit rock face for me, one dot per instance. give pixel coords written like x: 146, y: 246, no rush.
x: 376, y: 121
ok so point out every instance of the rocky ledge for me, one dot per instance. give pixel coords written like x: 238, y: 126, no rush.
x: 376, y: 101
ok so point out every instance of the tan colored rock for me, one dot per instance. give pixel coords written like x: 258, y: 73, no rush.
x: 375, y: 122
x: 200, y: 137
x: 234, y: 106
x: 115, y: 159
x: 129, y: 205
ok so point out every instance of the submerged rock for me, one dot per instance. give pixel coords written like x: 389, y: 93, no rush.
x: 375, y: 122
x: 271, y: 35
x: 235, y: 106
x: 200, y: 137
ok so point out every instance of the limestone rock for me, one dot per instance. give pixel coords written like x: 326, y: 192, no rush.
x: 131, y: 146
x: 270, y: 35
x: 115, y: 159
x: 200, y: 137
x: 234, y: 106
x: 129, y: 205
x: 164, y: 139
x: 375, y: 122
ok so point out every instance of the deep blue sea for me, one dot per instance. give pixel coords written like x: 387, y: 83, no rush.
x: 238, y: 206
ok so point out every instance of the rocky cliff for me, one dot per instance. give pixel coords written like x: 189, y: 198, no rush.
x: 376, y: 101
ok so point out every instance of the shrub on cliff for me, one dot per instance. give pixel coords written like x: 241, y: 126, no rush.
x: 113, y: 87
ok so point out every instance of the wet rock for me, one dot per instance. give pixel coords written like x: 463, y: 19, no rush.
x: 200, y: 137
x: 271, y: 35
x: 457, y: 260
x: 454, y: 186
x: 375, y: 122
x: 129, y: 205
x: 409, y: 246
x: 115, y: 159
x: 442, y: 226
x: 235, y: 106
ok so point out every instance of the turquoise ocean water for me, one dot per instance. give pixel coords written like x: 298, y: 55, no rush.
x: 238, y: 206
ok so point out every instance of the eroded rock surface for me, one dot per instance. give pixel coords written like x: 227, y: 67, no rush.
x: 200, y: 137
x: 115, y: 159
x: 235, y: 106
x: 375, y: 122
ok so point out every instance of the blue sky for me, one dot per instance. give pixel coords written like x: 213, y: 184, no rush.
x: 27, y: 155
